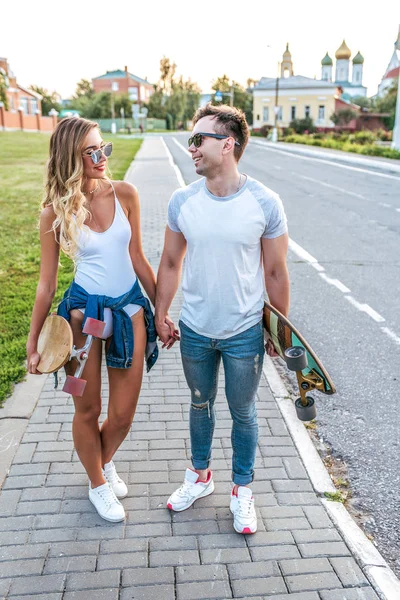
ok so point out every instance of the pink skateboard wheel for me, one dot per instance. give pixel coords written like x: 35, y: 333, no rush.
x: 94, y: 327
x: 74, y: 386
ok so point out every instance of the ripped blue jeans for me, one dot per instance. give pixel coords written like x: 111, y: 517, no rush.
x: 242, y: 356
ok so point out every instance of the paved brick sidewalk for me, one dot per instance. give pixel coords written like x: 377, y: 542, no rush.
x: 55, y: 547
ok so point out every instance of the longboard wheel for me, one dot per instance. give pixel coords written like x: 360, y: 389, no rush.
x: 306, y: 412
x: 296, y: 358
x: 74, y: 386
x: 94, y: 327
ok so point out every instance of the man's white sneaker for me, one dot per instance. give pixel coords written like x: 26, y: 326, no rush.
x: 190, y: 490
x: 106, y: 503
x: 119, y: 487
x: 244, y: 513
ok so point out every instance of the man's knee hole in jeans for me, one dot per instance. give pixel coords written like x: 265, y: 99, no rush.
x: 195, y: 406
x: 256, y: 363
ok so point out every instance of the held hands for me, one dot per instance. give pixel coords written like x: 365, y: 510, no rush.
x: 269, y: 348
x: 167, y: 332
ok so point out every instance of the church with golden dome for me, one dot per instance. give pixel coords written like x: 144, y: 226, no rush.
x: 351, y: 87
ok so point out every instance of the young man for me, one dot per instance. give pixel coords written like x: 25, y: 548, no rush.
x: 233, y: 232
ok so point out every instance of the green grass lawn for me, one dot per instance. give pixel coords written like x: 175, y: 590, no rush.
x: 22, y: 167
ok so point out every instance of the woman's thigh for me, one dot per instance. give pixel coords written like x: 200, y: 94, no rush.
x: 91, y: 398
x: 125, y: 384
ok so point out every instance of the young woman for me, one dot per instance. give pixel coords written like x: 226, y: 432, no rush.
x: 96, y: 222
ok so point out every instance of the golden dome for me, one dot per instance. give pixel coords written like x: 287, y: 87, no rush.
x: 343, y: 52
x: 286, y: 54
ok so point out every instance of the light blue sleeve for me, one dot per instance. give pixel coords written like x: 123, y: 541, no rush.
x: 272, y: 208
x: 174, y: 207
x: 275, y: 218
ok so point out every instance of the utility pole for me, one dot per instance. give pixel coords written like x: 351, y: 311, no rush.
x: 114, y: 88
x: 274, y: 137
x: 231, y: 99
x: 396, y: 128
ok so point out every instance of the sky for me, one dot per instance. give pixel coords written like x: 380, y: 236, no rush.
x: 54, y: 45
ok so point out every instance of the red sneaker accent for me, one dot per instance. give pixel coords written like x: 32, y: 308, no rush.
x: 233, y: 492
x: 247, y: 530
x: 169, y: 505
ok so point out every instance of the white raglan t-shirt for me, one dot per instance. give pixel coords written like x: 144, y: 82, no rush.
x: 223, y: 281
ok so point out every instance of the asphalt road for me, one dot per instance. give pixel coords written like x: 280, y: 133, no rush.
x: 344, y: 262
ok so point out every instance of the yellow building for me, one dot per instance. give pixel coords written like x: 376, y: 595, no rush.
x: 292, y: 97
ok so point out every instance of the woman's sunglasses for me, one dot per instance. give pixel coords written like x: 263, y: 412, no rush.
x: 197, y: 138
x: 95, y: 155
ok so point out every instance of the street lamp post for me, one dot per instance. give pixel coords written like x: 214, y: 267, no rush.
x: 114, y: 88
x: 396, y: 128
x: 274, y: 137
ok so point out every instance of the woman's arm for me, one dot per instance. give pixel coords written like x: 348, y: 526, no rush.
x: 143, y: 270
x: 50, y: 253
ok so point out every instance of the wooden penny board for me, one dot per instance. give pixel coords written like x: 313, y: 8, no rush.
x: 54, y: 344
x: 284, y: 335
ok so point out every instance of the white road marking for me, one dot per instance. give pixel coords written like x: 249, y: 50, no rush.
x: 304, y: 255
x: 325, y: 162
x: 366, y: 308
x: 333, y: 187
x: 174, y: 165
x: 182, y: 147
x: 340, y: 286
x: 391, y: 334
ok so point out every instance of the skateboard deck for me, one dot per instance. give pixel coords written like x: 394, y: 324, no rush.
x: 284, y: 336
x: 54, y: 344
x: 56, y: 348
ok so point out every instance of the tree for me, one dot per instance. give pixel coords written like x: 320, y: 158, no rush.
x: 123, y: 101
x: 363, y: 101
x: 84, y: 87
x: 49, y: 100
x: 156, y: 104
x: 387, y: 104
x: 302, y: 125
x: 97, y: 106
x: 343, y: 117
x: 3, y: 88
x: 173, y: 99
x: 241, y: 98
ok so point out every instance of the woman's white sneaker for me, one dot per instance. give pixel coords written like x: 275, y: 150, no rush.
x: 119, y: 486
x: 190, y: 491
x: 244, y: 513
x: 106, y: 503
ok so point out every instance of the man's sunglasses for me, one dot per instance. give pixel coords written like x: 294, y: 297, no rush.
x: 197, y: 138
x: 96, y: 155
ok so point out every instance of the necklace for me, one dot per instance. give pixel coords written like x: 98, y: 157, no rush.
x: 92, y: 191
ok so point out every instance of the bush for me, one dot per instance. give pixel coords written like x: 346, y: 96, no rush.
x: 302, y: 125
x: 264, y: 130
x: 364, y: 137
x: 383, y: 135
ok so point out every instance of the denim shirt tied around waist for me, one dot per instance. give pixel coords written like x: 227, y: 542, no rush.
x: 120, y: 352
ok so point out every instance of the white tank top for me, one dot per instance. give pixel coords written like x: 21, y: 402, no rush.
x: 103, y: 262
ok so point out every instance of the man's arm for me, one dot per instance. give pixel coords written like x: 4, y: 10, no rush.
x: 168, y: 277
x: 276, y: 274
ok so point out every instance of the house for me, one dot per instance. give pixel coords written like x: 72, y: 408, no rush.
x: 19, y: 97
x: 122, y: 82
x: 20, y: 108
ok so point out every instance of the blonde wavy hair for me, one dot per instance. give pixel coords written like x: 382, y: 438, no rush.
x: 63, y: 186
